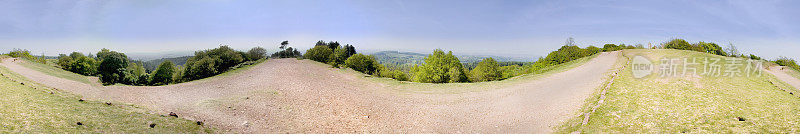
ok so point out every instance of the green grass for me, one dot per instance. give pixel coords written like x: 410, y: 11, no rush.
x: 30, y: 108
x: 53, y: 70
x: 704, y: 104
x: 455, y: 88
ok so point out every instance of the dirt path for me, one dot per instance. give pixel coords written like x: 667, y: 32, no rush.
x: 287, y: 95
x: 781, y: 74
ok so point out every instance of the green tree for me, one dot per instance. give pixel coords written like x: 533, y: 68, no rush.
x: 84, y: 65
x: 487, y: 70
x: 440, y: 68
x: 178, y: 76
x: 65, y: 62
x: 200, y: 67
x: 712, y: 48
x: 163, y: 74
x: 362, y: 63
x: 338, y: 57
x: 319, y: 53
x: 112, y: 67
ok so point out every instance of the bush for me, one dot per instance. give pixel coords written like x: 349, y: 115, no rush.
x: 338, y: 57
x: 564, y: 54
x: 112, y: 66
x: 487, y: 70
x: 78, y: 63
x: 785, y: 61
x: 511, y: 71
x: 611, y: 47
x: 163, y: 75
x: 711, y: 48
x: 362, y: 63
x: 399, y: 75
x: 256, y: 53
x: 319, y: 54
x: 200, y: 67
x: 679, y: 44
x: 591, y: 50
x: 211, y: 62
x: 440, y: 68
x: 85, y: 66
x: 177, y: 77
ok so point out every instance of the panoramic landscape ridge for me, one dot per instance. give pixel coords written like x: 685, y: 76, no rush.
x: 400, y: 66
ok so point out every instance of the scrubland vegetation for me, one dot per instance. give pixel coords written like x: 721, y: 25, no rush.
x: 114, y: 67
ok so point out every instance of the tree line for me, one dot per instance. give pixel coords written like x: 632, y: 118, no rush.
x: 113, y: 67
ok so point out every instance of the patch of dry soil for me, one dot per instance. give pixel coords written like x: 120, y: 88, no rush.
x: 294, y: 96
x: 781, y: 73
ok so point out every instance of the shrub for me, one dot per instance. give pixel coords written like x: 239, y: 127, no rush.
x: 211, y: 62
x: 77, y: 63
x: 440, y: 68
x: 163, y: 75
x: 85, y: 66
x: 785, y: 61
x: 591, y: 50
x: 754, y: 57
x: 338, y: 57
x: 362, y: 63
x: 399, y: 75
x: 679, y: 44
x: 511, y: 71
x: 177, y: 77
x: 611, y: 47
x: 487, y: 70
x: 564, y: 54
x: 256, y: 53
x: 711, y: 48
x: 135, y: 75
x: 200, y: 67
x: 319, y: 54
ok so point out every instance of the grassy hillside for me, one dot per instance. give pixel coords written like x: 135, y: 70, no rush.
x: 692, y: 103
x: 31, y: 108
x: 52, y: 69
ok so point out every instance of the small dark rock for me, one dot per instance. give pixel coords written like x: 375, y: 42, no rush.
x: 79, y: 123
x: 22, y: 83
x: 81, y: 100
x: 740, y: 118
x: 199, y: 123
x: 247, y: 98
x: 173, y: 114
x: 152, y: 125
x: 790, y: 93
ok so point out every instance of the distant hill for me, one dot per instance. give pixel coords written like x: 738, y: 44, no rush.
x: 153, y: 64
x: 410, y: 58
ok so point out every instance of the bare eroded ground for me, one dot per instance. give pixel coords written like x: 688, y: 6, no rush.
x: 288, y: 95
x: 781, y: 73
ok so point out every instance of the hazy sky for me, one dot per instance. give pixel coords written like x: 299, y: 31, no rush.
x: 509, y: 28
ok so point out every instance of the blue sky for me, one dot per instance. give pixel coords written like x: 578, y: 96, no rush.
x: 508, y: 28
